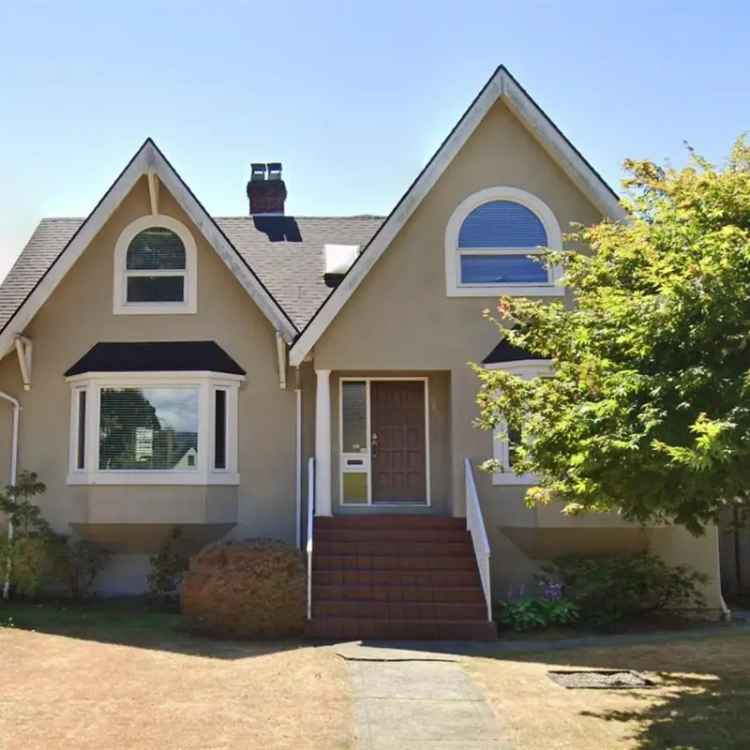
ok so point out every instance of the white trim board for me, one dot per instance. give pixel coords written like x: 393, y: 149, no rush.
x: 148, y: 159
x: 501, y: 86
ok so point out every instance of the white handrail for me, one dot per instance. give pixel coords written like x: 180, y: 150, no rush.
x: 475, y: 526
x: 310, y: 520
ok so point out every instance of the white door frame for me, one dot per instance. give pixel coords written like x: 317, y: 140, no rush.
x: 367, y: 454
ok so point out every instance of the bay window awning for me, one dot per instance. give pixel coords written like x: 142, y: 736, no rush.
x: 156, y: 356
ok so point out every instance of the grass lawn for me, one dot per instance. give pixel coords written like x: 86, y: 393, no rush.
x: 116, y: 675
x: 702, y: 701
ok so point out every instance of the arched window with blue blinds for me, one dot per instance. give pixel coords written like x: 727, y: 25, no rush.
x: 489, y: 240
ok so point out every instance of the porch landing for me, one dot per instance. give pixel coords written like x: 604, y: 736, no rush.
x: 396, y: 577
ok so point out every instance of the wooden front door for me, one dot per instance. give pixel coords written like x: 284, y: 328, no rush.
x: 399, y: 442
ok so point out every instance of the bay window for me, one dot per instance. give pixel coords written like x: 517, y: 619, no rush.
x: 154, y: 428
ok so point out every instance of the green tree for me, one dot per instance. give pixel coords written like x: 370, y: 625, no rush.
x: 648, y: 410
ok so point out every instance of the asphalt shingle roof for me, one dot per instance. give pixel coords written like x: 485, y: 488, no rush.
x: 286, y: 252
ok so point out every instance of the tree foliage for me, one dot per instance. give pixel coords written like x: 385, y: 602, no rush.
x: 648, y: 410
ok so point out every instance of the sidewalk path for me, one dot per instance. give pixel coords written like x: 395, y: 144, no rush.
x: 417, y: 700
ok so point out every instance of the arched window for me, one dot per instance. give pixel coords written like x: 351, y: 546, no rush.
x: 155, y: 267
x: 491, y: 241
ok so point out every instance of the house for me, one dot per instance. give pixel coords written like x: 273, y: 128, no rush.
x: 309, y: 360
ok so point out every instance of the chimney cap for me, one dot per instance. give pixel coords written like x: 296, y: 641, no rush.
x: 257, y: 171
x: 274, y: 170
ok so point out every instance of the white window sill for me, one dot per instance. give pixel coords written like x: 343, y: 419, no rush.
x: 500, y: 479
x: 508, y: 290
x: 152, y: 478
x: 154, y: 308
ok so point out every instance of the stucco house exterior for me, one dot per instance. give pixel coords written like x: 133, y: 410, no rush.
x: 222, y: 374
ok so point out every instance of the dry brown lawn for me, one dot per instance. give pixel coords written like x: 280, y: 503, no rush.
x: 58, y: 691
x: 702, y: 701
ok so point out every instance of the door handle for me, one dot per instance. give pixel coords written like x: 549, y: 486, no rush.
x: 374, y: 446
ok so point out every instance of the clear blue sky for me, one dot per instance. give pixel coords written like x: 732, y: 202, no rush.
x: 352, y: 97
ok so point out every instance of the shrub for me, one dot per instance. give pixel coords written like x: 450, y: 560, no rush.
x: 250, y: 589
x: 607, y: 590
x: 535, y: 613
x: 36, y: 555
x: 83, y: 562
x: 34, y: 561
x: 167, y: 568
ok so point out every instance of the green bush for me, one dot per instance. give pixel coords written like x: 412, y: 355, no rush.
x: 168, y: 566
x: 33, y: 555
x: 536, y: 613
x: 36, y: 556
x: 83, y: 562
x: 606, y: 590
x: 34, y: 561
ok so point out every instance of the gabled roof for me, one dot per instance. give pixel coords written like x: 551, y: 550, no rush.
x: 147, y: 160
x: 155, y: 356
x: 287, y: 253
x: 501, y: 86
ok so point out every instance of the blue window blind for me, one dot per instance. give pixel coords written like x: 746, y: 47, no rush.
x: 502, y: 224
x: 500, y: 269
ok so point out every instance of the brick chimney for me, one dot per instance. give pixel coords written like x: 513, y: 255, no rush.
x: 266, y: 190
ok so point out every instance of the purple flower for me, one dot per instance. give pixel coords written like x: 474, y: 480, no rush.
x: 551, y: 590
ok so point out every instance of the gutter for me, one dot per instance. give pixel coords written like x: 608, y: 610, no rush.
x: 13, y: 471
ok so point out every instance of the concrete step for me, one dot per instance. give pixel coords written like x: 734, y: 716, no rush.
x: 375, y: 610
x: 390, y: 593
x: 426, y: 578
x: 411, y: 548
x: 392, y: 562
x: 389, y: 521
x: 384, y: 534
x: 348, y: 629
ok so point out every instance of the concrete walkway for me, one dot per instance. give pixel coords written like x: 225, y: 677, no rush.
x: 417, y: 700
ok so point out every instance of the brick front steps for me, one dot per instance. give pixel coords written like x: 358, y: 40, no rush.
x: 396, y: 577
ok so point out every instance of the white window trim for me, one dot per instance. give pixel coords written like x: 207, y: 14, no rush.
x: 454, y: 286
x: 528, y: 369
x: 189, y: 304
x: 204, y: 473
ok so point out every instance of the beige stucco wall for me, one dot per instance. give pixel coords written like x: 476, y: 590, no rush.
x: 78, y: 315
x: 400, y: 319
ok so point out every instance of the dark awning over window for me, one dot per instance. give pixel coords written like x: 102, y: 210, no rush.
x: 507, y: 352
x: 156, y: 356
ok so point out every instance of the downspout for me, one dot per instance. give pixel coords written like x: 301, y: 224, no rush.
x: 13, y: 471
x: 298, y: 443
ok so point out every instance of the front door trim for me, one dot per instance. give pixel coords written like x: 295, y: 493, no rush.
x: 345, y: 458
